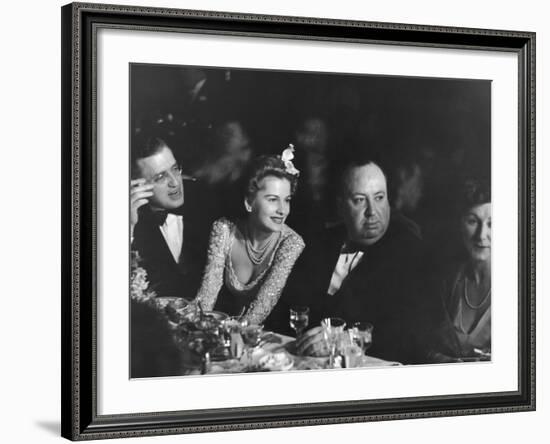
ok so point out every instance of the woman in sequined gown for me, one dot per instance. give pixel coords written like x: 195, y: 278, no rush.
x: 249, y: 260
x: 464, y: 332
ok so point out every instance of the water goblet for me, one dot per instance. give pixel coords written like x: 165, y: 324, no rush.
x: 232, y: 330
x: 352, y: 355
x: 299, y: 319
x: 252, y: 335
x: 332, y: 329
x: 232, y: 325
x: 362, y: 334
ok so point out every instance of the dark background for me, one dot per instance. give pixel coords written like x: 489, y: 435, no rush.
x: 429, y: 134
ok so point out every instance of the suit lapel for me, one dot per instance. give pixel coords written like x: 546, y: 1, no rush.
x: 157, y: 240
x: 368, y: 265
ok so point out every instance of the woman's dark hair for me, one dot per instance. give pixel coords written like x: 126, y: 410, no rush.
x: 473, y: 192
x: 264, y: 166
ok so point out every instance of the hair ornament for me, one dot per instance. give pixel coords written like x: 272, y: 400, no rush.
x: 286, y: 157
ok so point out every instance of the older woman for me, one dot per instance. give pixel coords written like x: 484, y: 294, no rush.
x: 465, y: 330
x: 249, y: 260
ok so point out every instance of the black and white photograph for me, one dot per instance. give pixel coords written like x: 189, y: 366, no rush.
x: 293, y: 220
x: 285, y: 222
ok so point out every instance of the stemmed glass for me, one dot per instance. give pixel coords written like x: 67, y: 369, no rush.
x: 362, y: 335
x: 232, y: 335
x: 252, y: 336
x: 332, y: 329
x: 299, y: 319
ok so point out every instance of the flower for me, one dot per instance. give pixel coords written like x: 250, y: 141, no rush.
x: 286, y: 157
x: 288, y: 154
x: 138, y: 282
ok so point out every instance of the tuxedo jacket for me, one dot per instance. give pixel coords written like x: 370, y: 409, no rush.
x: 384, y: 288
x: 166, y: 276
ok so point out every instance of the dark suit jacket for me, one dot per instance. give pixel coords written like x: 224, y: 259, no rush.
x: 166, y: 276
x: 384, y: 288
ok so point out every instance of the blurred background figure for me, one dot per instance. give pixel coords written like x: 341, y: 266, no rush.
x: 201, y: 114
x: 406, y: 182
x: 182, y: 105
x: 313, y: 206
x: 312, y: 138
x: 223, y: 167
x: 229, y: 157
x: 409, y: 188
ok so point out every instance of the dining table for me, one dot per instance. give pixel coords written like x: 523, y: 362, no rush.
x: 276, y: 352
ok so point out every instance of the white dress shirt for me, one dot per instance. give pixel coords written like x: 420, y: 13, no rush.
x: 172, y: 230
x: 346, y: 263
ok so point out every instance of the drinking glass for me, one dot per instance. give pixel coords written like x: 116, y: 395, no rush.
x: 232, y: 325
x: 232, y: 331
x: 351, y: 352
x: 299, y: 319
x: 332, y: 330
x: 362, y: 335
x: 252, y: 335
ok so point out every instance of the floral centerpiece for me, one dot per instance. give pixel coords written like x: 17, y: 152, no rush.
x: 139, y: 285
x: 140, y: 292
x: 196, y: 333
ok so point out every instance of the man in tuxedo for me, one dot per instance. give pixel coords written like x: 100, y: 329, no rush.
x: 368, y: 269
x: 172, y: 247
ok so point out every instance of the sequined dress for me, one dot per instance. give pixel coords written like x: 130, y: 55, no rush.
x: 221, y: 289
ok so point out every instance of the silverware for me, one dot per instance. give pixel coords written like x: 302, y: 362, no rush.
x: 241, y: 314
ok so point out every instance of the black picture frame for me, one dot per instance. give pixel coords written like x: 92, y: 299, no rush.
x: 80, y: 420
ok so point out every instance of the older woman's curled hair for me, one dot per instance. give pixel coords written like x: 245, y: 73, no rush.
x: 473, y: 192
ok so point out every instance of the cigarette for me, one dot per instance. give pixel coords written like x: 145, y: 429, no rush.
x: 481, y: 352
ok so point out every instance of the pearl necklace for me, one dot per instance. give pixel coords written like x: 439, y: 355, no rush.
x: 257, y: 255
x: 460, y: 315
x: 467, y: 300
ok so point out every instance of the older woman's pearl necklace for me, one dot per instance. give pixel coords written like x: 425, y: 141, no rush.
x: 467, y: 300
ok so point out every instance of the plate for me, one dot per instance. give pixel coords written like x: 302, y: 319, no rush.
x: 291, y: 348
x: 274, y: 362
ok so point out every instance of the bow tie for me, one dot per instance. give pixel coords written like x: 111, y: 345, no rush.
x: 351, y: 248
x: 159, y: 216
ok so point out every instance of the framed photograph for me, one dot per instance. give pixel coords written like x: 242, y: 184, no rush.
x: 281, y: 221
